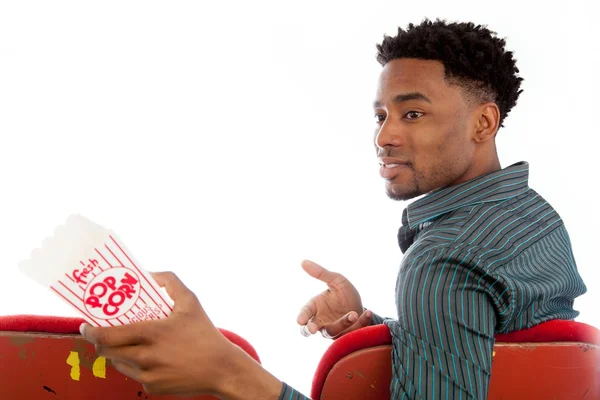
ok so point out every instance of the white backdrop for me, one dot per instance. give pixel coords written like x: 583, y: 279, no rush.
x: 227, y: 141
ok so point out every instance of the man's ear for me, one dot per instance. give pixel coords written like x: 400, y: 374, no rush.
x: 487, y: 123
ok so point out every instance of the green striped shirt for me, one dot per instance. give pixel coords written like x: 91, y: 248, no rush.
x: 483, y: 257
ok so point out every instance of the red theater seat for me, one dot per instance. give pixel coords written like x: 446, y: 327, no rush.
x: 553, y: 360
x: 46, y: 358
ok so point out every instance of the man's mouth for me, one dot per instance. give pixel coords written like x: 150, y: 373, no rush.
x: 391, y: 167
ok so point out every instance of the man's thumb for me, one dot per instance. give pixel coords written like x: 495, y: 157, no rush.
x: 318, y: 272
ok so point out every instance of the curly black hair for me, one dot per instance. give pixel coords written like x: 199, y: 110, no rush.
x: 473, y: 58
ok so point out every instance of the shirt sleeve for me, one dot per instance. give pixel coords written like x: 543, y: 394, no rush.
x: 289, y: 393
x: 448, y: 307
x: 377, y: 319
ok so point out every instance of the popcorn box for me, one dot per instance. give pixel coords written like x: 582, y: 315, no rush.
x: 91, y: 269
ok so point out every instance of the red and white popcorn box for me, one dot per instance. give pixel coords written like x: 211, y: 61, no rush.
x: 90, y: 268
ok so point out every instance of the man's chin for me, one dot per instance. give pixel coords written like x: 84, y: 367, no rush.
x: 397, y: 197
x: 401, y: 194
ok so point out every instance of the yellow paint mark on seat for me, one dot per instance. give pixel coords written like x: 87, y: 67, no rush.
x: 73, y: 361
x: 99, y: 368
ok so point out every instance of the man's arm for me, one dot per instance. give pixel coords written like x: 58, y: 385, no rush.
x: 185, y: 354
x: 443, y: 340
x: 245, y: 379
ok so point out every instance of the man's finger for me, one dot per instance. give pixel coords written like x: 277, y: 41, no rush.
x: 307, y: 312
x: 174, y: 286
x: 363, y: 321
x: 339, y: 326
x: 122, y: 335
x: 138, y: 356
x: 314, y: 325
x: 319, y: 272
x: 127, y: 370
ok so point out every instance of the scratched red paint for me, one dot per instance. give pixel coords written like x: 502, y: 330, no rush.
x: 535, y: 371
x: 44, y: 370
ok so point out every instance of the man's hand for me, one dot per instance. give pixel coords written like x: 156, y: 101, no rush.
x: 336, y: 311
x: 182, y: 354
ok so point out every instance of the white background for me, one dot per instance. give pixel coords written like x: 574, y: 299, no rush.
x: 227, y: 141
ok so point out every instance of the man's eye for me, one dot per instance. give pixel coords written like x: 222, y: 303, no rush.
x: 413, y: 115
x: 379, y: 117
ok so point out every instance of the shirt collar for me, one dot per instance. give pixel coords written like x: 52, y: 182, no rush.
x: 500, y: 185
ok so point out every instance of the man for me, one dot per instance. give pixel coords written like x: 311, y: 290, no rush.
x: 483, y: 253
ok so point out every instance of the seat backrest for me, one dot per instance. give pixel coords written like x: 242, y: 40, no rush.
x: 45, y: 356
x: 554, y: 360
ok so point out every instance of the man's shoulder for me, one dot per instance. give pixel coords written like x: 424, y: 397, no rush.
x: 489, y: 227
x: 527, y: 211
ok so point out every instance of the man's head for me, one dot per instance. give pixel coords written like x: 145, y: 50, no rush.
x: 444, y: 91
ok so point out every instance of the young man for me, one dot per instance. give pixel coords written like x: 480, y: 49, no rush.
x: 483, y: 253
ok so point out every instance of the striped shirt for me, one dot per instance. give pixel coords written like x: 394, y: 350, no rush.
x: 289, y: 393
x: 487, y: 256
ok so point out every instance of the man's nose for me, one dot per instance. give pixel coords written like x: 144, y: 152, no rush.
x: 388, y: 135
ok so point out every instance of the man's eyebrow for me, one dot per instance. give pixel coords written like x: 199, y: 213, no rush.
x: 400, y: 98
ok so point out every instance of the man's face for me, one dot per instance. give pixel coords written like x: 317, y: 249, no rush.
x: 424, y: 127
